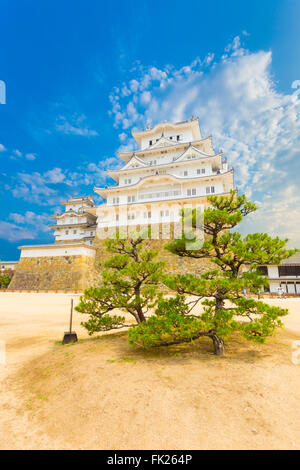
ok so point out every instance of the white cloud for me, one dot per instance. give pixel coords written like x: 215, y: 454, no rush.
x: 278, y: 215
x: 122, y: 136
x: 33, y: 187
x: 40, y: 188
x: 237, y: 102
x: 134, y: 85
x: 75, y: 125
x: 145, y: 97
x: 16, y: 154
x: 38, y: 221
x: 24, y: 226
x: 13, y: 232
x: 30, y: 156
x: 54, y: 176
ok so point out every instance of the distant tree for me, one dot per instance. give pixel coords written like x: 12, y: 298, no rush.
x: 130, y: 283
x: 4, y: 281
x: 226, y: 309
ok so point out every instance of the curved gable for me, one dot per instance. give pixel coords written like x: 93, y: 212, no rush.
x: 162, y: 142
x: 134, y: 162
x: 192, y: 152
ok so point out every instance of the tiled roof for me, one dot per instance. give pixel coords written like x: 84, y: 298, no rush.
x: 295, y: 259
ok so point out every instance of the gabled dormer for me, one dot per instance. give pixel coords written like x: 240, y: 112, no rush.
x: 192, y: 153
x: 162, y: 142
x: 134, y: 162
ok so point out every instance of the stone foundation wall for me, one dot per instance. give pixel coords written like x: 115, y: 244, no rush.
x: 55, y: 272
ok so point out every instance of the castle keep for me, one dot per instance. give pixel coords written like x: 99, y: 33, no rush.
x: 174, y: 167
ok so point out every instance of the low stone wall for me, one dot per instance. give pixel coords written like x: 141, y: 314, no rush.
x: 54, y: 273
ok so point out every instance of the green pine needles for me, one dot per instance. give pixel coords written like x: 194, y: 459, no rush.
x: 130, y: 283
x: 4, y: 281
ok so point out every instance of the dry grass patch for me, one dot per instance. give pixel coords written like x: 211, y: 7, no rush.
x: 102, y: 393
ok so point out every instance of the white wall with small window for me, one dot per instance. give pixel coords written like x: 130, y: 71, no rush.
x: 202, y: 189
x: 191, y: 192
x: 131, y: 198
x: 210, y: 189
x: 68, y: 234
x: 133, y: 178
x: 183, y: 135
x: 113, y: 200
x: 164, y: 213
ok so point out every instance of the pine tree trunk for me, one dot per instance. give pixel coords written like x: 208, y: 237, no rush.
x: 140, y: 314
x: 139, y: 310
x: 217, y: 341
x: 219, y: 349
x: 219, y: 303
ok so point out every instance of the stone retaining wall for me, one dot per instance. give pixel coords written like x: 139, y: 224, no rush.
x: 55, y: 272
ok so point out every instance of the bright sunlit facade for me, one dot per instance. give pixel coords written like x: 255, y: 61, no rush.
x: 174, y: 167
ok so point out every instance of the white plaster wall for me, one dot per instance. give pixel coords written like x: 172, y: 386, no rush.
x: 134, y: 177
x: 274, y: 286
x: 62, y: 235
x: 72, y: 220
x: 201, y: 187
x: 34, y: 252
x: 4, y: 265
x: 192, y: 171
x: 273, y: 272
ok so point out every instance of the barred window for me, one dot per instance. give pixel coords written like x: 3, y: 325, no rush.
x: 289, y: 271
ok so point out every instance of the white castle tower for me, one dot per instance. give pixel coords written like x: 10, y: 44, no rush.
x: 75, y: 223
x: 174, y: 166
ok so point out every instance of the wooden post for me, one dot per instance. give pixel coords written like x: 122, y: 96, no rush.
x: 70, y: 336
x: 71, y: 316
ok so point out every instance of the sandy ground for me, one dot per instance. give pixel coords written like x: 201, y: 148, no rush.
x: 104, y: 394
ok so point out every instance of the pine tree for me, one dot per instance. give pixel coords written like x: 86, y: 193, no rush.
x: 4, y: 281
x: 130, y: 283
x: 221, y: 290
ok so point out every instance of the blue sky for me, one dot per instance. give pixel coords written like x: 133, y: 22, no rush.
x: 80, y: 75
